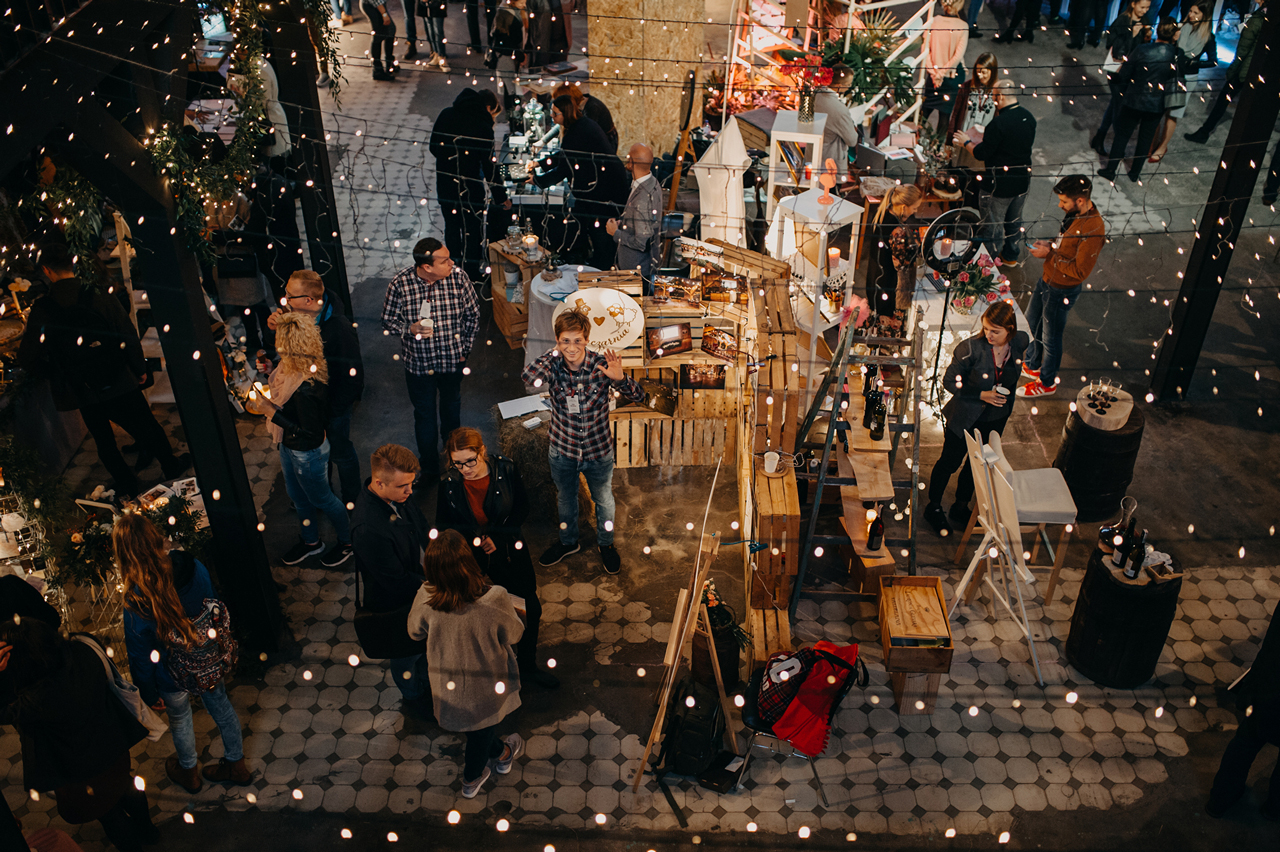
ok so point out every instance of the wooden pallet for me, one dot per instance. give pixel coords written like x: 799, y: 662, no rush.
x: 770, y: 631
x: 512, y: 318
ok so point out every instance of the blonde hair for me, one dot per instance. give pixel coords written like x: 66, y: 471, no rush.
x: 899, y: 198
x: 300, y: 347
x: 953, y: 6
x: 310, y: 282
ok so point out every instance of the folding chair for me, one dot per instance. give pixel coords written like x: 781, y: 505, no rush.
x: 1042, y: 498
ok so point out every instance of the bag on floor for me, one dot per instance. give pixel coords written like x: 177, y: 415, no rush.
x: 126, y: 692
x: 692, y: 736
x: 198, y: 669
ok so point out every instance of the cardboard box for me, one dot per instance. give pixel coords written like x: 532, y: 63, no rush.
x: 915, y: 632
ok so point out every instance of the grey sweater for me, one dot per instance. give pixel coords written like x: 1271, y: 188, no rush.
x: 472, y: 649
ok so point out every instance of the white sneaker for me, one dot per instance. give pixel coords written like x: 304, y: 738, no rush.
x: 513, y: 749
x: 335, y: 23
x: 444, y: 66
x: 469, y: 791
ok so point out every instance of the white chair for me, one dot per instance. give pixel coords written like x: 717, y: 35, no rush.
x: 1042, y: 498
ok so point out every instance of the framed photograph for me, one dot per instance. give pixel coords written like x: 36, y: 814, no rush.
x: 669, y: 340
x: 719, y: 343
x: 722, y: 287
x: 676, y: 293
x: 703, y: 376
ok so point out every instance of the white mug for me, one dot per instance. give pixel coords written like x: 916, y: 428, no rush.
x: 771, y: 462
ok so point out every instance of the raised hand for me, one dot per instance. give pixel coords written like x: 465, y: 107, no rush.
x: 613, y: 366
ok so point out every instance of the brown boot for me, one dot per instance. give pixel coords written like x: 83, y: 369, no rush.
x: 230, y: 772
x: 187, y: 779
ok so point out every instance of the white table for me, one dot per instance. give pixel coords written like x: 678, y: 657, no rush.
x: 544, y: 296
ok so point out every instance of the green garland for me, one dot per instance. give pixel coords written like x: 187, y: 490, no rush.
x: 72, y: 205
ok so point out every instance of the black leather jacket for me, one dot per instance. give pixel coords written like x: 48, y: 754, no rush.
x: 1151, y: 72
x: 505, y: 504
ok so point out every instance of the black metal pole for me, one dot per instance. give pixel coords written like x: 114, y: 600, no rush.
x: 1243, y: 157
x: 296, y: 67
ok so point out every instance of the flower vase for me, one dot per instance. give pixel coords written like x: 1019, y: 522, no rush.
x: 806, y: 104
x: 961, y: 308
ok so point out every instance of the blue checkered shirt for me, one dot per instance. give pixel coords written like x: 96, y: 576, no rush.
x: 454, y: 310
x: 585, y: 435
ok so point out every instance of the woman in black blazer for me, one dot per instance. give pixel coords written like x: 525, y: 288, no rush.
x: 483, y: 497
x: 597, y: 178
x: 983, y: 380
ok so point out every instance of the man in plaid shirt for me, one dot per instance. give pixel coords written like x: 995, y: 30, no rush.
x: 432, y: 308
x: 580, y: 382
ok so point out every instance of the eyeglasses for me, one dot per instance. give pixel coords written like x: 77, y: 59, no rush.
x: 468, y: 464
x: 289, y: 298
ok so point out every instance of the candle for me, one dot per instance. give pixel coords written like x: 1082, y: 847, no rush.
x: 833, y: 256
x: 944, y: 247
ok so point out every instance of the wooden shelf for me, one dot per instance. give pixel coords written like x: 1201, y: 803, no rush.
x: 859, y: 438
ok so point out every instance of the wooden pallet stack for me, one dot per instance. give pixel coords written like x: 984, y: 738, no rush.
x: 868, y: 462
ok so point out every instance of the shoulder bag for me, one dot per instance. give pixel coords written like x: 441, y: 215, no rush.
x: 126, y: 692
x: 384, y: 635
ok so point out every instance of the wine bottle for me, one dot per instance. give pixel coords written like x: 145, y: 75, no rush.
x: 875, y: 530
x: 1124, y: 543
x: 878, y: 416
x: 1137, y: 556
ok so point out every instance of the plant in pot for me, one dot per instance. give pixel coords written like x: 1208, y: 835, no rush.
x: 868, y: 58
x: 728, y: 636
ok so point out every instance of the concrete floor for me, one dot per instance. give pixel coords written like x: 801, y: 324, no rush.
x: 1211, y: 462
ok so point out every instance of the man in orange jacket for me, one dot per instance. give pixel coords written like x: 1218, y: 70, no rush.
x: 1067, y: 263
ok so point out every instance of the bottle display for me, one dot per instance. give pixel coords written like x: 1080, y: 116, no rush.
x: 880, y: 413
x: 1109, y: 531
x: 1137, y: 556
x: 875, y: 530
x: 1124, y: 543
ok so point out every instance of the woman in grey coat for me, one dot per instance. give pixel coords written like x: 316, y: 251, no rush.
x: 982, y: 379
x: 471, y: 629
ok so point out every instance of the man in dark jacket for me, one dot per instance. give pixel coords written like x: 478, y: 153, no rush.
x: 1006, y: 150
x: 390, y: 533
x: 305, y: 293
x: 82, y: 340
x: 1235, y: 74
x: 462, y: 143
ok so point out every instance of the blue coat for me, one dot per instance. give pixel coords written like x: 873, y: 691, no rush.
x: 151, y: 677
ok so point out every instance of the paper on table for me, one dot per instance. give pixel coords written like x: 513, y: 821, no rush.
x: 522, y: 406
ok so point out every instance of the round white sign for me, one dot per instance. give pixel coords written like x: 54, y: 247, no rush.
x: 616, y: 319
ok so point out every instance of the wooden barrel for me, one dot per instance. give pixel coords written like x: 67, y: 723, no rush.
x: 1097, y: 465
x: 1119, y: 629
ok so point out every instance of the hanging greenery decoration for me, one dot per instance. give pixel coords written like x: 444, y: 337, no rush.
x: 65, y: 201
x: 868, y: 57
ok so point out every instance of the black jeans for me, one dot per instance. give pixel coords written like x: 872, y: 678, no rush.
x: 128, y: 824
x: 384, y: 35
x: 473, y: 21
x: 424, y: 391
x: 1241, y: 752
x: 1087, y: 17
x: 1146, y: 124
x: 132, y: 414
x: 464, y: 235
x: 1028, y: 10
x: 955, y: 453
x: 342, y: 455
x: 518, y: 578
x: 1111, y: 114
x: 482, y: 746
x: 1219, y: 108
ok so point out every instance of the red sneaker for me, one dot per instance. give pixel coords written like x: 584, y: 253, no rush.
x: 1033, y: 389
x: 1028, y: 373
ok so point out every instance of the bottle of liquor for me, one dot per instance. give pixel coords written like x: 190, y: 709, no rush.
x: 1137, y: 556
x: 880, y: 414
x: 875, y: 530
x: 1124, y: 543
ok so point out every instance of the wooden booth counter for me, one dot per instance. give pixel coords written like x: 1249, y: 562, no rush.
x: 916, y: 637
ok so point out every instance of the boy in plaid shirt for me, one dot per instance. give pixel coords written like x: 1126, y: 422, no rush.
x: 580, y: 382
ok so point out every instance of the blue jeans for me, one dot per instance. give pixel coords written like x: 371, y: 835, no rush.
x: 599, y: 474
x: 178, y: 706
x: 975, y: 6
x: 1002, y: 223
x: 1047, y: 316
x: 341, y: 7
x: 416, y: 684
x: 306, y: 479
x: 410, y: 25
x: 423, y: 393
x: 342, y: 455
x: 433, y: 32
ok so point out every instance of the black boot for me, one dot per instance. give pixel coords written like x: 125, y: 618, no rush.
x: 380, y: 73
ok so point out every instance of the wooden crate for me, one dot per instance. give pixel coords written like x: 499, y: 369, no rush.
x: 777, y: 526
x: 770, y: 630
x: 512, y: 318
x: 894, y: 609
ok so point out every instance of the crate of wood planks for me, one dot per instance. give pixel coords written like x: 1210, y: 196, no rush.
x: 914, y: 630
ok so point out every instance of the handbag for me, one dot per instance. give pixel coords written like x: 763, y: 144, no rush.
x: 126, y: 692
x: 1111, y: 65
x: 384, y: 635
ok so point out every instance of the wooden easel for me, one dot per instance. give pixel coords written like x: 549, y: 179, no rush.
x: 691, y: 616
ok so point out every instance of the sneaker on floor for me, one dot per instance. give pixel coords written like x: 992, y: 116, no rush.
x: 612, y: 561
x: 324, y: 81
x: 301, y: 552
x: 513, y: 749
x: 936, y: 518
x: 1029, y: 373
x: 412, y: 52
x: 470, y: 791
x: 1199, y: 137
x: 335, y: 23
x: 1036, y: 388
x: 337, y: 555
x: 553, y: 554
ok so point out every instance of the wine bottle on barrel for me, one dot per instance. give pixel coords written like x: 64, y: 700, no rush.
x: 1107, y: 535
x: 1137, y: 555
x: 1124, y: 543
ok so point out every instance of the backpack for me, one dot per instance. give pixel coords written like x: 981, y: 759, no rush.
x: 81, y: 344
x: 784, y: 671
x: 693, y: 735
x: 198, y: 669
